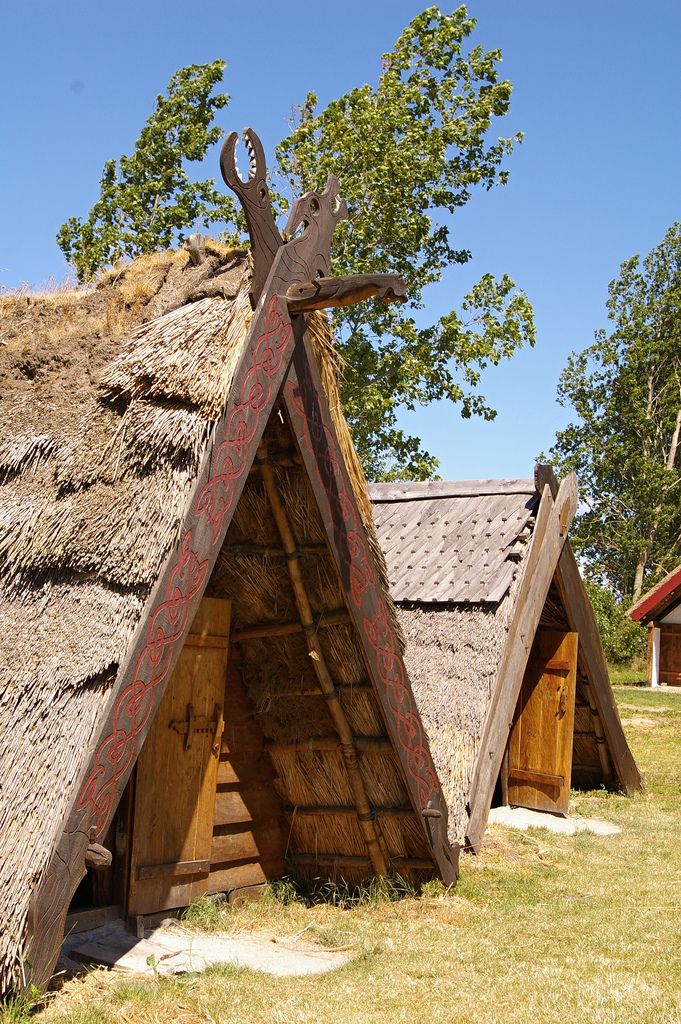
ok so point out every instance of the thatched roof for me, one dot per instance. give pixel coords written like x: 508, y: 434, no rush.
x: 102, y: 428
x: 108, y: 397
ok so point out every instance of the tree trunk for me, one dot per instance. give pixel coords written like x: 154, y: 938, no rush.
x: 674, y: 447
x: 638, y: 578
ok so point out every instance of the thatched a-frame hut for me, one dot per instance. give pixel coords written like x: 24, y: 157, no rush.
x: 502, y: 645
x: 202, y: 685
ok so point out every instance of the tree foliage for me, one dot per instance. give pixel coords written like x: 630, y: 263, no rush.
x: 623, y: 640
x: 409, y: 152
x: 624, y: 445
x: 147, y: 199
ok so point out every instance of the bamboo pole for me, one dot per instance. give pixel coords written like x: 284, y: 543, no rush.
x: 379, y: 857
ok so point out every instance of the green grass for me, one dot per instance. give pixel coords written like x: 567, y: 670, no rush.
x: 626, y: 675
x: 541, y: 928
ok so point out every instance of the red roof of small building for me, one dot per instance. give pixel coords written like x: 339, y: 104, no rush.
x: 659, y: 598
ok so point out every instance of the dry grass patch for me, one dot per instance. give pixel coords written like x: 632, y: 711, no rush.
x: 543, y: 928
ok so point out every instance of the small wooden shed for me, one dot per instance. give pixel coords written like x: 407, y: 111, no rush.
x: 202, y: 677
x: 660, y: 611
x: 502, y: 645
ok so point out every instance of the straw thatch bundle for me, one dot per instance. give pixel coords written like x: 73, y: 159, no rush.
x: 452, y: 656
x: 101, y: 438
x: 107, y: 400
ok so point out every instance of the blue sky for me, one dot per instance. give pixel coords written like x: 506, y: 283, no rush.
x: 596, y: 91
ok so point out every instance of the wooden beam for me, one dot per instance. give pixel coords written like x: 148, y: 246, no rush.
x: 234, y: 876
x: 247, y: 844
x: 448, y: 489
x: 321, y: 810
x: 91, y: 917
x: 380, y: 859
x: 606, y: 720
x: 339, y: 617
x: 548, y: 539
x: 183, y: 867
x: 504, y: 778
x: 346, y: 689
x: 268, y: 551
x: 350, y: 861
x: 542, y: 778
x: 331, y: 292
x: 363, y: 744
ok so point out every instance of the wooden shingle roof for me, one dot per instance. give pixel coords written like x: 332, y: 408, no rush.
x: 453, y: 542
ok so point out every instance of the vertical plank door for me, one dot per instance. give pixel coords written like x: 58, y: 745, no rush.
x: 177, y: 772
x: 670, y: 654
x: 540, y: 744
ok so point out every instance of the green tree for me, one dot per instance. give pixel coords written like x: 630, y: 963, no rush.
x: 147, y: 199
x: 624, y: 445
x: 623, y: 640
x: 409, y: 152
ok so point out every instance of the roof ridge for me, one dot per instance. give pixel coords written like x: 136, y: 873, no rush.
x: 430, y: 489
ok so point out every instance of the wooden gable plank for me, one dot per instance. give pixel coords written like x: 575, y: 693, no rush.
x: 548, y: 539
x: 582, y: 619
x: 448, y: 489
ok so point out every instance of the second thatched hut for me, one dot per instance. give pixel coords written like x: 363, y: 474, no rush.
x: 502, y: 645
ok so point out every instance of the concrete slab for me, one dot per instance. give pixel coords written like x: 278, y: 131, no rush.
x: 178, y: 950
x: 521, y: 818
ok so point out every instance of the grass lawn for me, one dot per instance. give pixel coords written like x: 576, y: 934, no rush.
x: 623, y: 675
x: 542, y: 929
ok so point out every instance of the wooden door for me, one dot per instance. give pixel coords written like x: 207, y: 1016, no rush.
x: 540, y: 745
x: 177, y: 773
x: 670, y: 654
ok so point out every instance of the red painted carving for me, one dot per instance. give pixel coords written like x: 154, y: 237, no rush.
x: 170, y: 620
x: 319, y: 439
x: 230, y: 459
